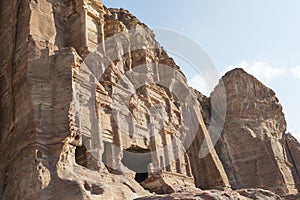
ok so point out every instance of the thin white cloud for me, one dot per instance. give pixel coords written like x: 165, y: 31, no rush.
x: 261, y: 70
x: 295, y: 71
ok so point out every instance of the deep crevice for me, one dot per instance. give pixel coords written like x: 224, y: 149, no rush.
x: 80, y: 156
x: 292, y: 160
x: 14, y: 61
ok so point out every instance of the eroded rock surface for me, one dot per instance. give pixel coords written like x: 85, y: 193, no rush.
x: 83, y: 90
x: 92, y: 107
x: 252, y: 146
x: 246, y: 194
x: 292, y: 197
x: 293, y: 151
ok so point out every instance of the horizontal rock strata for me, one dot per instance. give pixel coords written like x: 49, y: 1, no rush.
x: 92, y: 107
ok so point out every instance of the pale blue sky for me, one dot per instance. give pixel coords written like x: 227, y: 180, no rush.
x: 262, y: 36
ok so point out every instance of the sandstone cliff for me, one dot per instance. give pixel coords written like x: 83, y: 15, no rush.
x: 71, y: 124
x: 252, y: 143
x: 91, y: 109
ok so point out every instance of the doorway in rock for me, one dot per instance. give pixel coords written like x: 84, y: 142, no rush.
x: 140, y: 177
x: 137, y: 159
x: 80, y: 156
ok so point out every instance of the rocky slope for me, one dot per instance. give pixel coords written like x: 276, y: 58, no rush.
x: 78, y: 86
x: 244, y: 194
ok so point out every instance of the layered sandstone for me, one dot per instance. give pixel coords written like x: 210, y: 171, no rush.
x: 92, y: 107
x: 251, y: 146
x: 78, y: 86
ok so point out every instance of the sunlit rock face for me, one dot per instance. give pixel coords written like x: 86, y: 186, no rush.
x: 92, y: 107
x: 252, y: 147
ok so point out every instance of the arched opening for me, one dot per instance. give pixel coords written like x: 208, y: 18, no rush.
x: 137, y: 159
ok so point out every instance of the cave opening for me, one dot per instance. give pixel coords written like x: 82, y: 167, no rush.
x: 140, y: 177
x: 80, y: 155
x: 137, y: 159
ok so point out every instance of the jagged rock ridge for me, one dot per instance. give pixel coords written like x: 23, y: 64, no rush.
x: 252, y: 142
x: 64, y: 118
x: 253, y: 147
x: 62, y: 104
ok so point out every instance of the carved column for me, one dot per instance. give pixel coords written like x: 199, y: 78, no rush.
x: 95, y: 150
x: 153, y: 149
x: 167, y: 149
x: 100, y: 131
x: 101, y: 35
x: 188, y: 165
x: 175, y: 151
x: 118, y: 149
x: 84, y: 37
x: 131, y: 126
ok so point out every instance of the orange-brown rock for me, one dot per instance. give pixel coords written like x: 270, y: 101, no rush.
x: 252, y: 146
x: 92, y: 107
x: 293, y: 152
x: 72, y: 119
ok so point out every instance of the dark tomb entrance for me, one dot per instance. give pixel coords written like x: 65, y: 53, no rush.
x: 137, y: 159
x: 80, y: 155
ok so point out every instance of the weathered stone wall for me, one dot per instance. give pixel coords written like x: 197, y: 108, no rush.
x: 43, y: 82
x: 251, y: 146
x: 36, y: 94
x: 69, y: 115
x: 17, y: 127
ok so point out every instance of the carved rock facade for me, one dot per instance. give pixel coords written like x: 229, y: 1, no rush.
x: 86, y: 90
x: 73, y: 114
